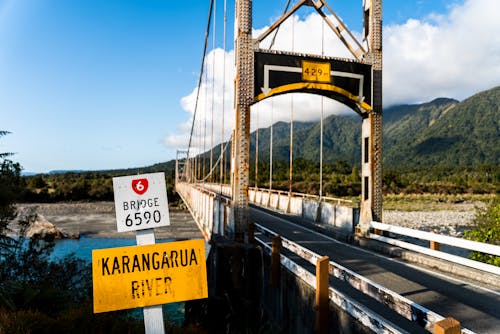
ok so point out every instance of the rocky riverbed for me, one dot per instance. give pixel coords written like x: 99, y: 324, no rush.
x: 97, y: 219
x: 446, y: 222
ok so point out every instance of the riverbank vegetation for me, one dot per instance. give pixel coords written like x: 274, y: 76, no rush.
x: 38, y: 294
x: 487, y: 230
x: 340, y: 179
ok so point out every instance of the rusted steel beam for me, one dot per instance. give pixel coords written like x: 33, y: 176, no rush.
x: 371, y: 171
x: 243, y: 99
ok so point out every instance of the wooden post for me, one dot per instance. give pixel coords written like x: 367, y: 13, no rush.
x: 275, y: 272
x: 434, y: 245
x: 322, y: 297
x: 447, y: 326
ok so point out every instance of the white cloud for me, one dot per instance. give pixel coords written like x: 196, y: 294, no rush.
x: 454, y: 55
x: 443, y: 56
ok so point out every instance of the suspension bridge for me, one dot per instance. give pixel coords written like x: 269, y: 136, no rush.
x: 314, y: 262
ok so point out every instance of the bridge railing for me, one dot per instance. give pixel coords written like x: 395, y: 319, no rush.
x: 211, y: 211
x: 401, y: 305
x: 336, y: 212
x: 435, y: 240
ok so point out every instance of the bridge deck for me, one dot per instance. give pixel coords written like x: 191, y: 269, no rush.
x: 476, y: 308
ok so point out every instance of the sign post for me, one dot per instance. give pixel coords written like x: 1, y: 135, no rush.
x: 147, y: 275
x: 141, y: 204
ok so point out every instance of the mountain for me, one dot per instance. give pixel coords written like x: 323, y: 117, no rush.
x: 403, y: 124
x: 443, y: 132
x: 341, y: 138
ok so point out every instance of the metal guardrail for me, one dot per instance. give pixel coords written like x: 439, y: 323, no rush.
x: 226, y: 189
x: 452, y: 241
x: 211, y: 215
x: 364, y: 315
x: 401, y: 305
x: 316, y: 197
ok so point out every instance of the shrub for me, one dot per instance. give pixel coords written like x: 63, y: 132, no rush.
x: 487, y: 230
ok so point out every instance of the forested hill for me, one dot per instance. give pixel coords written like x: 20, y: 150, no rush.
x: 437, y: 138
x: 443, y: 132
x: 447, y: 133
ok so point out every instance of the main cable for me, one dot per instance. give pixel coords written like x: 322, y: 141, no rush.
x: 213, y: 88
x: 207, y: 31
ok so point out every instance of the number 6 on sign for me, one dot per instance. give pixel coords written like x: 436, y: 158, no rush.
x: 140, y: 202
x: 140, y: 186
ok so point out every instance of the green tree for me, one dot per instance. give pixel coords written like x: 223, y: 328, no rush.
x: 37, y: 182
x: 10, y: 190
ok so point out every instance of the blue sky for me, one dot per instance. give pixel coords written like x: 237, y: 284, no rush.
x: 93, y: 84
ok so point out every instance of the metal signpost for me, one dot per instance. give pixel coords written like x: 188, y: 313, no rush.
x: 149, y: 274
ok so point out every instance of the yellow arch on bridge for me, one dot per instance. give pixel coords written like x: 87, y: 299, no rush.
x: 313, y: 85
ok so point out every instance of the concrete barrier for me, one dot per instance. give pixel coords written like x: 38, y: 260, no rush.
x: 310, y: 210
x: 283, y: 203
x: 296, y: 206
x: 328, y: 212
x: 265, y: 199
x: 251, y: 195
x: 200, y: 202
x: 274, y: 200
x: 345, y: 218
x: 258, y: 197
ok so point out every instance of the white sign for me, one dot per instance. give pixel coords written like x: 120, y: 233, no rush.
x: 140, y: 202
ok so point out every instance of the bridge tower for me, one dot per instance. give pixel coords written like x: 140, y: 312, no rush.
x: 371, y: 163
x: 371, y: 160
x: 243, y: 99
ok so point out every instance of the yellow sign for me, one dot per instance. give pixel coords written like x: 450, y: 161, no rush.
x: 315, y: 71
x: 138, y: 276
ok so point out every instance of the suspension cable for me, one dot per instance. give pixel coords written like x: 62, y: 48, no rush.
x: 257, y: 149
x: 223, y: 147
x: 290, y: 185
x: 222, y: 162
x: 278, y: 28
x: 321, y: 125
x: 271, y: 147
x: 207, y: 30
x: 213, y: 88
x: 321, y: 154
x: 290, y: 188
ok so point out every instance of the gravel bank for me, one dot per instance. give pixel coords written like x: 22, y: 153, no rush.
x: 446, y: 222
x: 97, y: 219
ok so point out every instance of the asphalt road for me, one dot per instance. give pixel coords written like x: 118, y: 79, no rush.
x: 477, y: 308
